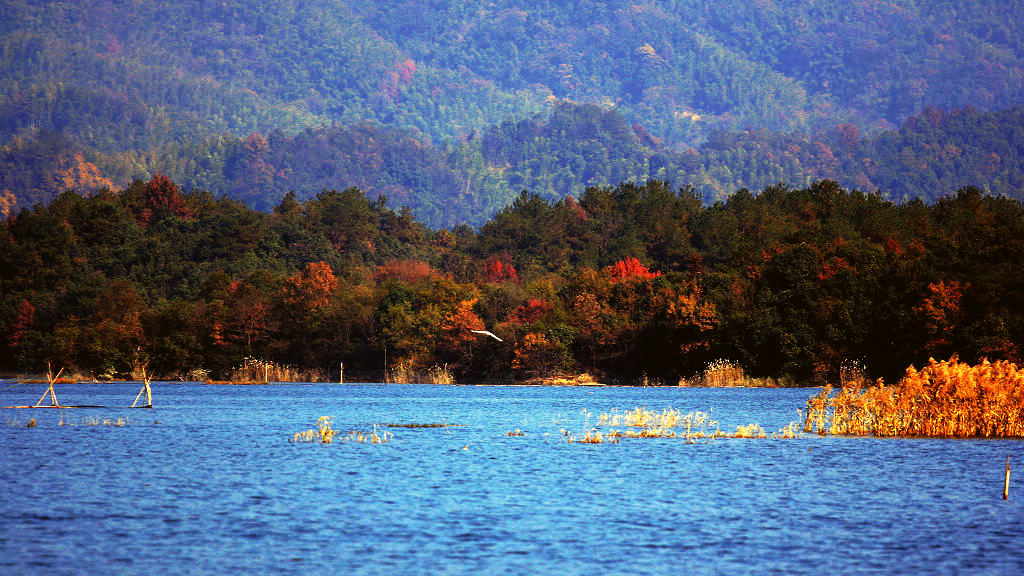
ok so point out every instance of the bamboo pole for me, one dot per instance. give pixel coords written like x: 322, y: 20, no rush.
x: 49, y: 389
x: 145, y: 388
x: 1006, y: 480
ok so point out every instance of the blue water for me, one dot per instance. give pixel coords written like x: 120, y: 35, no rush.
x: 207, y: 483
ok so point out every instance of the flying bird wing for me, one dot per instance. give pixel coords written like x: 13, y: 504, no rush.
x: 486, y: 333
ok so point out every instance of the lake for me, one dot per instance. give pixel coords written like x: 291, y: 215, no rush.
x: 207, y: 482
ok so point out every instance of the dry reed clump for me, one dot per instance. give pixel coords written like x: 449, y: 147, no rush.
x: 326, y: 434
x: 440, y: 375
x: 375, y: 437
x: 750, y: 431
x: 641, y: 417
x: 690, y: 427
x: 853, y: 374
x: 593, y: 436
x: 943, y: 399
x: 257, y: 370
x: 653, y: 424
x: 404, y: 372
x: 726, y: 373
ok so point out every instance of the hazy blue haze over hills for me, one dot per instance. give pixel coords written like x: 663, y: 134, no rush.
x: 452, y: 107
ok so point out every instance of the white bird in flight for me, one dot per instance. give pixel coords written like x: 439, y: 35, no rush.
x: 486, y: 333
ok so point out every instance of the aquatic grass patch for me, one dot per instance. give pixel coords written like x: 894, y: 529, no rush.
x: 326, y: 434
x: 947, y: 399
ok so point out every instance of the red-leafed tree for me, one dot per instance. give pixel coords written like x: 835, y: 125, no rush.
x: 161, y: 198
x: 500, y: 269
x: 630, y: 269
x: 22, y: 323
x: 531, y: 312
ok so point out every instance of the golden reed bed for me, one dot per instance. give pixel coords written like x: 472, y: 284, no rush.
x: 946, y: 399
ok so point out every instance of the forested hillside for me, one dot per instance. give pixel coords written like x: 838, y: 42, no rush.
x: 627, y: 282
x: 554, y: 155
x: 98, y: 93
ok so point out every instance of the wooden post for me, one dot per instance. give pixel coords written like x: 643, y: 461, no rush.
x: 1006, y: 480
x: 341, y: 373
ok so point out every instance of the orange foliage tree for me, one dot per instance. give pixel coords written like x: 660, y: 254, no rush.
x: 456, y: 342
x: 409, y: 271
x: 537, y: 355
x: 312, y: 287
x: 940, y: 312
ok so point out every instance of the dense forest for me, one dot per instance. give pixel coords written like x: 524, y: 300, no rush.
x: 627, y: 282
x: 452, y: 108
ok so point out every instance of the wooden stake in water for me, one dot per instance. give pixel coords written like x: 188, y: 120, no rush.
x: 1006, y: 481
x: 341, y: 373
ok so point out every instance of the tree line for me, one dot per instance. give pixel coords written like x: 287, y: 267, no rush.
x: 627, y: 282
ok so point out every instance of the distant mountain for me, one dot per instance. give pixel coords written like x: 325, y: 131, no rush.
x: 471, y: 100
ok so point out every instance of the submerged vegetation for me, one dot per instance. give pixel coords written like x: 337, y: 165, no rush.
x: 119, y: 422
x: 943, y: 399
